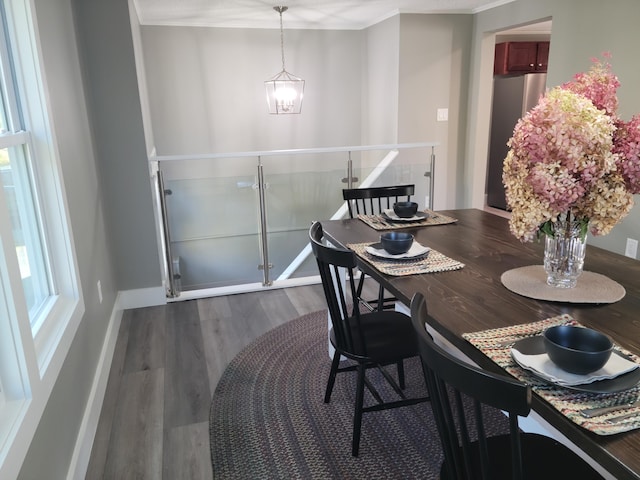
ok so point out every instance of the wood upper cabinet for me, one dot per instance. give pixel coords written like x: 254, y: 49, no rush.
x: 521, y: 57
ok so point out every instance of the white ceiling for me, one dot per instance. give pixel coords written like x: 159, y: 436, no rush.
x: 320, y: 14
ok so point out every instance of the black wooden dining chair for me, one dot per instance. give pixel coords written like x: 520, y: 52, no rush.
x: 515, y: 455
x: 373, y: 201
x: 370, y: 339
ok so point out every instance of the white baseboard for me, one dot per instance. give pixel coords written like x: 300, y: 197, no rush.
x: 88, y: 427
x: 141, y: 297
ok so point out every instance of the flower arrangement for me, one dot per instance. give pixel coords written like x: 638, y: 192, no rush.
x: 572, y: 158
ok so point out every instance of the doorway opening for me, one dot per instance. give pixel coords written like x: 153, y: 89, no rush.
x: 519, y: 79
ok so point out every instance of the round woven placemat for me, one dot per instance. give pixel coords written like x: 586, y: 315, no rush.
x: 268, y: 419
x: 531, y: 281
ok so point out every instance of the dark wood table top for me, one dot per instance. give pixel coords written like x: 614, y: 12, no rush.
x: 474, y: 299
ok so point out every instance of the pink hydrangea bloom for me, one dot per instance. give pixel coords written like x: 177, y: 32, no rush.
x: 626, y: 144
x: 570, y: 154
x: 599, y: 85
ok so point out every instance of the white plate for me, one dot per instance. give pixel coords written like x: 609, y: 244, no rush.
x: 530, y: 354
x: 391, y: 215
x: 416, y: 251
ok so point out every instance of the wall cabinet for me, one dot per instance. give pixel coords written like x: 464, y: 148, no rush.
x: 521, y: 57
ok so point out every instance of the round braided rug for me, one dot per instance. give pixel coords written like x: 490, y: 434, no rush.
x: 268, y: 419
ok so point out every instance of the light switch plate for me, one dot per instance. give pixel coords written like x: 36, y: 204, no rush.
x: 442, y: 115
x: 631, y: 249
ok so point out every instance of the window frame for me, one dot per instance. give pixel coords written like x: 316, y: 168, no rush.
x: 47, y: 177
x: 31, y: 356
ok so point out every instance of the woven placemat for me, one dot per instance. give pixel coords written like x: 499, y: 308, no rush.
x: 432, y: 263
x: 531, y: 282
x: 380, y: 222
x: 567, y: 401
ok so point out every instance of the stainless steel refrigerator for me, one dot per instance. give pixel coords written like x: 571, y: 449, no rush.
x: 512, y: 98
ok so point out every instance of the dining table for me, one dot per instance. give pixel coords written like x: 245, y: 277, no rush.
x: 469, y: 294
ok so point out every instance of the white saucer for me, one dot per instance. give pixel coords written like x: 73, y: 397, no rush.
x: 416, y: 251
x: 391, y: 215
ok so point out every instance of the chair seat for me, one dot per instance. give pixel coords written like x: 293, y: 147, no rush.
x: 388, y: 336
x: 542, y: 458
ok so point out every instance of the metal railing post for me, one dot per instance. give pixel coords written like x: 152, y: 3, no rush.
x: 431, y: 176
x: 172, y: 290
x: 349, y: 179
x: 264, y: 243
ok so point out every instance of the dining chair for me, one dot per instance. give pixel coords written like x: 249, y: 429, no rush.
x: 373, y: 201
x: 365, y: 340
x: 515, y: 455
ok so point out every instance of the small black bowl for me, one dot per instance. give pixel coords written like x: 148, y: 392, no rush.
x: 396, y: 242
x: 577, y: 350
x: 405, y: 209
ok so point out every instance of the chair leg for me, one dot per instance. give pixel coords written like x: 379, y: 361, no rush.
x: 400, y: 366
x: 381, y: 298
x: 357, y: 417
x: 332, y: 376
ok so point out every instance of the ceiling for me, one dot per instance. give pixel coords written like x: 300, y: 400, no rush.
x: 319, y: 14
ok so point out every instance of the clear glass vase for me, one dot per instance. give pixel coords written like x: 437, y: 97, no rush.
x: 564, y: 254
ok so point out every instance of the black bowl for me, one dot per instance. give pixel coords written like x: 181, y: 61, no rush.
x: 405, y: 209
x: 576, y: 349
x: 396, y: 242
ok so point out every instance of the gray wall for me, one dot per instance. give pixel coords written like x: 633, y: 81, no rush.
x: 433, y: 74
x: 206, y: 88
x: 105, y: 40
x: 379, y: 124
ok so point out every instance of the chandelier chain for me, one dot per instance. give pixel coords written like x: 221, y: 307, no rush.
x: 280, y: 10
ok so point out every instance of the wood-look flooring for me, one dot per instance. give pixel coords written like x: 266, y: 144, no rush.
x: 168, y: 359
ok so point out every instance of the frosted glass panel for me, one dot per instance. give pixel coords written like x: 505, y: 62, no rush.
x: 293, y: 202
x: 212, y: 207
x: 218, y: 262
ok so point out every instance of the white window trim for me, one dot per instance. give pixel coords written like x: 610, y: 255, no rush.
x: 35, y: 359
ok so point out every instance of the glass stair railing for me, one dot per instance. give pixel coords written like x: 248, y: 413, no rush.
x: 238, y: 222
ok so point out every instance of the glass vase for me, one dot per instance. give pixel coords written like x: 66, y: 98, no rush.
x: 564, y: 254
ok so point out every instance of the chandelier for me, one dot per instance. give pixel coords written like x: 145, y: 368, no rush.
x: 284, y: 90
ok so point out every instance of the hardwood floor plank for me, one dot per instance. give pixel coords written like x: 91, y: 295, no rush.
x: 307, y: 299
x: 187, y: 453
x: 135, y: 447
x: 250, y: 320
x: 147, y: 338
x: 219, y: 339
x: 276, y: 309
x: 187, y: 391
x: 214, y: 307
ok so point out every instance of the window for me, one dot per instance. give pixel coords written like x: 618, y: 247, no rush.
x: 26, y: 223
x: 40, y: 296
x: 18, y: 181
